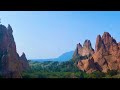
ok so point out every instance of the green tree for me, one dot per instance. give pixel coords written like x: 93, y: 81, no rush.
x: 97, y: 74
x: 112, y: 72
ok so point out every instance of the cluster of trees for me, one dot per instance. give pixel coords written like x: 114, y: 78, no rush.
x: 53, y: 70
x: 66, y: 69
x: 53, y: 75
x: 98, y: 74
x: 51, y: 66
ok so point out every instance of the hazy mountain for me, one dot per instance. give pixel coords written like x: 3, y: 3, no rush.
x: 64, y: 57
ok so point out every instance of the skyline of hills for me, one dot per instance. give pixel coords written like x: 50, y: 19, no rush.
x: 64, y: 57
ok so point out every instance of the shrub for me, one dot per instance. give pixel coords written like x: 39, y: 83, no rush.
x: 97, y: 74
x: 112, y: 72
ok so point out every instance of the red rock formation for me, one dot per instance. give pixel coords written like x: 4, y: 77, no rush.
x: 85, y: 50
x: 87, y: 65
x: 106, y: 56
x: 9, y: 58
x: 77, y: 50
x: 24, y: 62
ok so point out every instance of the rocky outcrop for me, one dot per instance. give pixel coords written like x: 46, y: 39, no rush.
x: 86, y: 50
x: 106, y: 56
x: 10, y: 64
x: 77, y: 50
x: 87, y: 65
x: 24, y: 62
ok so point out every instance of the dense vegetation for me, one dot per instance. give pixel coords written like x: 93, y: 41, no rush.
x: 51, y: 69
x: 68, y: 69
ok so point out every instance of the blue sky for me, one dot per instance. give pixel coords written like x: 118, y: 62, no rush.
x: 48, y: 34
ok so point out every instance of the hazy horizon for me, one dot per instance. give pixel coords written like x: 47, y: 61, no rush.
x: 48, y: 34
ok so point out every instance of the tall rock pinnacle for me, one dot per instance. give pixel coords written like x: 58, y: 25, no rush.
x: 106, y: 56
x: 87, y: 44
x: 85, y: 50
x: 78, y: 48
x: 10, y: 64
x: 24, y: 61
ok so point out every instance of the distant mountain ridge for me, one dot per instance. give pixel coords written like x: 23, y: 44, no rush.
x: 64, y: 57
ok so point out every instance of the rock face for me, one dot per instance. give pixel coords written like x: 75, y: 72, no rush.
x: 86, y: 50
x: 77, y: 50
x: 10, y: 64
x: 106, y: 56
x: 87, y: 65
x: 24, y: 62
x: 107, y: 53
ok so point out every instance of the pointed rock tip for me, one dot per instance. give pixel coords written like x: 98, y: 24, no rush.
x: 9, y: 28
x: 79, y: 45
x: 106, y: 34
x: 23, y: 54
x: 99, y: 36
x: 87, y: 42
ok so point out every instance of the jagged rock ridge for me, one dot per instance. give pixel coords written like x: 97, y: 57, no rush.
x: 10, y: 62
x: 86, y: 50
x: 105, y: 57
